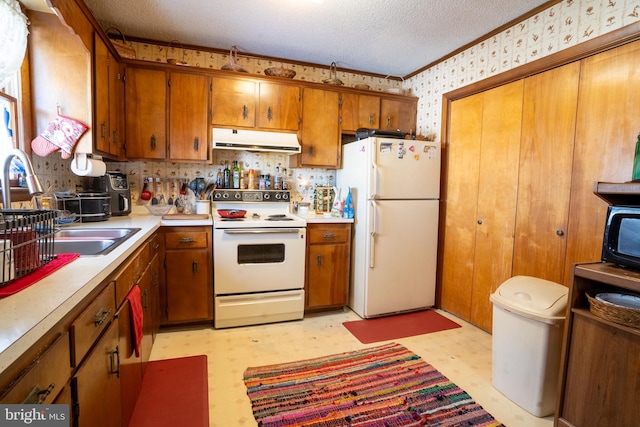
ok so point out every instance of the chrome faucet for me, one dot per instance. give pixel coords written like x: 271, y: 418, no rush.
x: 33, y: 183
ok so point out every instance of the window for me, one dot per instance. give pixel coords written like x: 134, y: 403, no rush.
x: 9, y: 117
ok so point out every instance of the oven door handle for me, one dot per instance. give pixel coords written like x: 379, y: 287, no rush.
x: 265, y: 231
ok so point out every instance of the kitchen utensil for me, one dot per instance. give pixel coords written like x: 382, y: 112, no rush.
x: 232, y: 213
x: 233, y: 61
x: 170, y: 192
x: 333, y: 78
x: 200, y: 186
x: 154, y: 199
x: 183, y: 189
x: 145, y: 194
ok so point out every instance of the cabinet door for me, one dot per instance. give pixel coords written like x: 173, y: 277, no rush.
x: 359, y: 111
x: 148, y: 306
x: 97, y: 383
x: 278, y: 107
x: 480, y: 202
x: 189, y: 290
x: 605, y: 144
x: 146, y: 96
x: 320, y: 128
x: 130, y: 364
x: 189, y: 116
x: 546, y: 155
x: 233, y: 102
x: 398, y: 114
x: 116, y: 107
x: 101, y: 59
x: 328, y: 275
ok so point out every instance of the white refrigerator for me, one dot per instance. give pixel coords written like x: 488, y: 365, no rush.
x: 395, y: 186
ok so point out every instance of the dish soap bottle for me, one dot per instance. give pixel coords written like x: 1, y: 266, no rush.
x: 348, y: 206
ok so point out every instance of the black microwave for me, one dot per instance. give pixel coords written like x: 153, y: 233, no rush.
x: 621, y: 243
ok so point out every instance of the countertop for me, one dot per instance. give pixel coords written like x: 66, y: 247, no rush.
x: 27, y: 315
x: 313, y: 218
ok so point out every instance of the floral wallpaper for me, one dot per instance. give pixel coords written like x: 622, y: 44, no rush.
x: 560, y: 26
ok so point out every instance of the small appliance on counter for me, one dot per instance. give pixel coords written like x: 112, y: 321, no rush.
x: 87, y: 206
x: 116, y: 185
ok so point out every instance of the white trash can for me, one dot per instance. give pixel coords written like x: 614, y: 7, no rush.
x: 528, y: 327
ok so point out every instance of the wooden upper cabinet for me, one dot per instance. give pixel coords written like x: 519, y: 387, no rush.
x: 233, y: 102
x: 359, y: 111
x: 247, y: 103
x: 398, y: 114
x: 189, y: 116
x: 101, y: 94
x: 146, y: 95
x: 320, y: 133
x: 278, y: 107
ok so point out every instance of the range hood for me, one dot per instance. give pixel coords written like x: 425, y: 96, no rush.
x: 251, y: 140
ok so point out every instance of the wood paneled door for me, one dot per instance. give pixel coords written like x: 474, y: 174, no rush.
x: 480, y: 200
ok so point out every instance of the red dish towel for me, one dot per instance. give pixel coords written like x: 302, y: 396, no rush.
x: 135, y: 305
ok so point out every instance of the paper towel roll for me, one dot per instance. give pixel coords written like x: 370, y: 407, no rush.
x: 82, y: 165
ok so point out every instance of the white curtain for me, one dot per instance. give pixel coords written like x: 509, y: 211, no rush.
x: 13, y: 38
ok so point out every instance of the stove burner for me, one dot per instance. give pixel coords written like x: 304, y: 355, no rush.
x: 278, y: 218
x: 231, y: 219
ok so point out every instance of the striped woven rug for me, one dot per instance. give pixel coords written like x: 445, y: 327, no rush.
x: 383, y: 386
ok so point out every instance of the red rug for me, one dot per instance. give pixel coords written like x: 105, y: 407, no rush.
x: 399, y: 326
x: 174, y: 393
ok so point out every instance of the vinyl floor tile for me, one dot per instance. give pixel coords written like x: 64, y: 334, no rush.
x: 462, y: 354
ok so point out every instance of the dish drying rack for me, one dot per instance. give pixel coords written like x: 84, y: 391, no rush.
x: 26, y: 241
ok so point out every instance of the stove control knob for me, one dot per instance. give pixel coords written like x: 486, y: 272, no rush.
x: 266, y: 196
x: 278, y: 196
x: 285, y: 196
x: 217, y: 195
x: 225, y: 195
x: 237, y: 196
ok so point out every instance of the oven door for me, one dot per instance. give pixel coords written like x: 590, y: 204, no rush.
x: 258, y: 259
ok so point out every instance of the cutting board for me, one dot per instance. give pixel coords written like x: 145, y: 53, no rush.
x: 181, y: 217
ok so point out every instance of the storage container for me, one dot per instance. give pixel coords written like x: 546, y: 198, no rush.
x: 528, y: 327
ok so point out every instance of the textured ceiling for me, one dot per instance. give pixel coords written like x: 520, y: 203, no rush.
x: 388, y: 37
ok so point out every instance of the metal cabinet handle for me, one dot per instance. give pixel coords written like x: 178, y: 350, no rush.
x: 153, y: 142
x: 186, y: 240
x: 319, y: 260
x: 389, y: 121
x: 114, y: 362
x: 269, y: 114
x: 196, y: 144
x: 194, y: 266
x: 245, y: 112
x: 372, y: 118
x: 115, y: 136
x: 145, y: 300
x: 101, y: 317
x: 103, y: 130
x: 328, y: 236
x: 156, y: 245
x: 311, y: 150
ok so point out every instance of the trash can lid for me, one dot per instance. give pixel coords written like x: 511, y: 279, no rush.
x: 531, y: 295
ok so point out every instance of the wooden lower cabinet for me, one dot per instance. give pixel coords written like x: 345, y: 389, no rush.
x: 328, y: 266
x: 188, y: 281
x: 97, y: 399
x: 130, y: 365
x: 600, y: 364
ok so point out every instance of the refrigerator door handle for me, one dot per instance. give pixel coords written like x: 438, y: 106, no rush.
x: 373, y: 177
x: 372, y: 234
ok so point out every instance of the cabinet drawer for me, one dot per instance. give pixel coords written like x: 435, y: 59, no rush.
x: 86, y: 329
x: 335, y: 233
x: 45, y: 378
x: 132, y: 271
x: 186, y: 240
